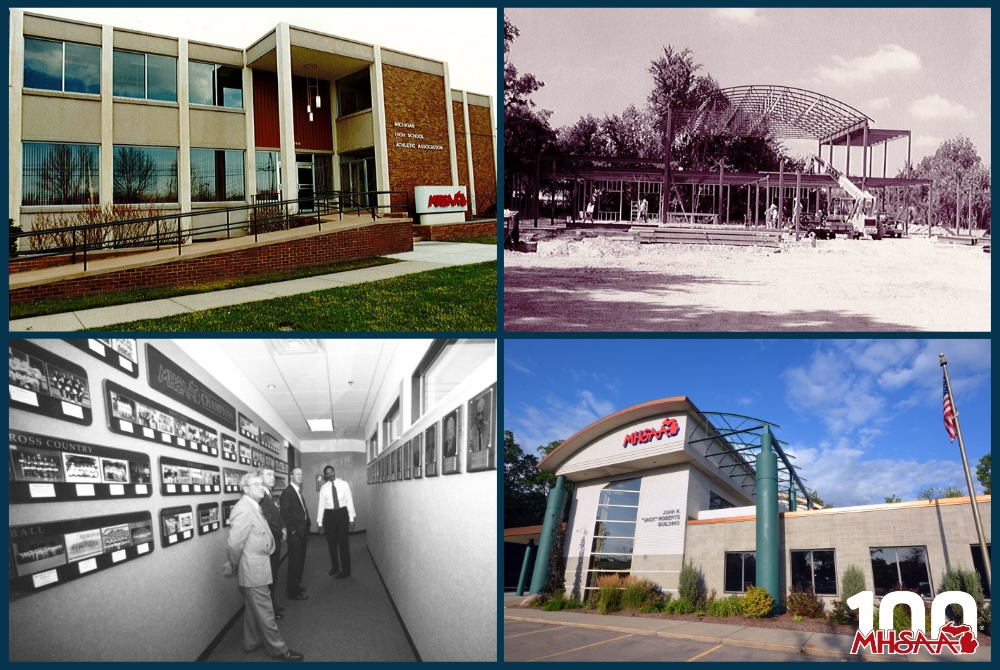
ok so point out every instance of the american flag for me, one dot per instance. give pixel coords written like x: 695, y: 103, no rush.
x: 949, y: 415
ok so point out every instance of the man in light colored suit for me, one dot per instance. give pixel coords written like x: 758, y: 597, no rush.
x: 248, y: 555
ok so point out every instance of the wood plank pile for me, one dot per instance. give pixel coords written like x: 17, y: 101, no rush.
x: 743, y: 237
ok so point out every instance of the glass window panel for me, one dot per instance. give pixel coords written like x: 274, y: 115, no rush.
x: 616, y: 513
x: 267, y: 175
x: 235, y: 181
x: 354, y: 93
x: 630, y: 498
x: 749, y: 569
x: 733, y: 578
x: 625, y: 485
x: 977, y: 564
x: 83, y: 68
x: 452, y: 365
x: 613, y: 545
x: 43, y: 64
x: 59, y: 174
x: 161, y: 78
x: 824, y: 572
x: 615, y: 529
x: 129, y: 75
x: 913, y: 570
x: 229, y: 83
x: 200, y: 86
x: 801, y: 569
x: 885, y: 574
x: 145, y: 174
x: 610, y: 562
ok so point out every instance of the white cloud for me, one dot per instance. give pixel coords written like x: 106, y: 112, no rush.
x: 927, y: 141
x: 888, y: 59
x: 558, y: 419
x: 830, y: 389
x: 739, y: 15
x: 936, y: 107
x: 744, y: 401
x: 876, y: 104
x: 518, y: 365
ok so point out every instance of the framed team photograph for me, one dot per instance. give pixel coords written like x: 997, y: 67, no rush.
x: 116, y: 537
x: 114, y: 471
x: 140, y: 473
x: 416, y: 452
x: 123, y: 407
x: 83, y: 544
x: 405, y: 455
x: 430, y: 451
x: 246, y: 455
x: 35, y: 465
x: 450, y: 425
x: 81, y: 468
x: 43, y: 383
x: 185, y: 521
x: 37, y: 553
x: 171, y: 525
x: 480, y: 434
x: 142, y: 531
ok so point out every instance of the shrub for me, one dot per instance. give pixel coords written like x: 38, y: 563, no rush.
x: 843, y: 614
x: 957, y: 579
x: 560, y: 602
x: 101, y: 230
x: 805, y: 603
x: 984, y: 619
x: 609, y: 594
x: 724, y: 607
x: 13, y: 230
x: 757, y: 602
x: 852, y: 582
x: 637, y: 592
x: 689, y: 584
x: 901, y: 616
x: 679, y: 606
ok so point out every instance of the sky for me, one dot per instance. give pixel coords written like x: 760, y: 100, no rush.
x: 919, y: 69
x: 465, y: 38
x: 863, y: 418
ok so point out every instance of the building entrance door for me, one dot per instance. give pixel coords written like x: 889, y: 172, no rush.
x: 357, y: 176
x: 307, y: 187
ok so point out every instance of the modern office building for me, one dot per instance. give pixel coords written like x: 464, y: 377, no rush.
x: 125, y: 459
x: 662, y: 483
x: 102, y: 115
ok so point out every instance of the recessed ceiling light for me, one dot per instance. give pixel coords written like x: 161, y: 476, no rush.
x: 319, y: 425
x: 271, y: 387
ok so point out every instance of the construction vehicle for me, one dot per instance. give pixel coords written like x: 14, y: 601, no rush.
x: 855, y: 214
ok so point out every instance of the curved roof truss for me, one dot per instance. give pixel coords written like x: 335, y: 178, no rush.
x: 781, y: 111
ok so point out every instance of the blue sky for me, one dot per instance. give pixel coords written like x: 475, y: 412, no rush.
x: 863, y: 417
x: 925, y: 70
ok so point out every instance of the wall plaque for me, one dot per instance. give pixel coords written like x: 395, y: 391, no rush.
x: 208, y: 518
x: 118, y: 353
x: 179, y: 477
x: 228, y: 447
x: 248, y: 428
x: 175, y: 382
x: 231, y: 480
x: 43, y: 383
x: 481, y: 431
x: 55, y: 469
x: 176, y: 525
x: 136, y: 416
x: 227, y: 509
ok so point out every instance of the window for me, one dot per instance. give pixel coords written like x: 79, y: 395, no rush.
x: 145, y: 174
x: 60, y: 174
x: 216, y: 175
x: 614, y: 531
x: 977, y: 564
x: 145, y: 76
x: 445, y: 365
x: 216, y: 85
x: 354, y: 93
x: 815, y: 569
x: 893, y: 567
x: 62, y: 66
x: 268, y: 175
x: 741, y: 571
x: 392, y: 425
x: 715, y: 501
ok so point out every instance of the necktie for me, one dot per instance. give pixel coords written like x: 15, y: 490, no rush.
x: 336, y: 498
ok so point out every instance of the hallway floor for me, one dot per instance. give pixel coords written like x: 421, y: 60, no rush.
x: 343, y: 620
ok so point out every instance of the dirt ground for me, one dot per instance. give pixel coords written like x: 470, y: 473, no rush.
x: 841, y: 285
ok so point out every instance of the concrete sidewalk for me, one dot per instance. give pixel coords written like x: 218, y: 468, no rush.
x: 789, y: 641
x: 425, y: 256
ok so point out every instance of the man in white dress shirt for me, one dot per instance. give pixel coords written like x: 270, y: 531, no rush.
x: 335, y: 517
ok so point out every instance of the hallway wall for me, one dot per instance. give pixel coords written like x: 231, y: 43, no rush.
x: 434, y: 539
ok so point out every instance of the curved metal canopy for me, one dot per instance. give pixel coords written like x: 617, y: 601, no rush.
x: 782, y: 111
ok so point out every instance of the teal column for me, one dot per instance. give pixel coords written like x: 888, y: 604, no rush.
x: 528, y: 551
x: 792, y: 502
x: 550, y: 526
x: 767, y: 517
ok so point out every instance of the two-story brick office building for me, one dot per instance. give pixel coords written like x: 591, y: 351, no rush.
x: 101, y: 115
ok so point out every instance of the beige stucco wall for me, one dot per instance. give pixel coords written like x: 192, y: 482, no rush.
x: 147, y: 124
x: 354, y: 132
x: 61, y: 117
x: 218, y: 128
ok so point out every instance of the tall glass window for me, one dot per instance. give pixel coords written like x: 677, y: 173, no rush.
x: 217, y: 175
x: 614, y: 531
x: 354, y: 93
x: 145, y: 76
x: 62, y: 66
x: 268, y: 175
x: 445, y: 365
x: 740, y: 571
x: 145, y: 174
x: 216, y: 85
x: 815, y: 570
x: 901, y: 567
x: 60, y: 174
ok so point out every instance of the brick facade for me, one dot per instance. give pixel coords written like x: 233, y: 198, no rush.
x: 483, y: 163
x: 456, y: 232
x: 387, y: 237
x: 417, y: 98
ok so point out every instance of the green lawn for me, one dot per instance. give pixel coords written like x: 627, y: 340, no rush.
x: 462, y: 298
x: 60, y: 305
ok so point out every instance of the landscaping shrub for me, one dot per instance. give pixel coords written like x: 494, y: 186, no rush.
x: 852, y: 582
x: 689, y: 584
x: 843, y: 614
x: 14, y: 230
x: 560, y: 602
x: 679, y: 606
x: 100, y: 231
x: 609, y: 594
x: 724, y: 607
x: 803, y: 602
x: 639, y: 592
x: 757, y: 602
x: 957, y: 579
x: 985, y: 615
x: 901, y: 617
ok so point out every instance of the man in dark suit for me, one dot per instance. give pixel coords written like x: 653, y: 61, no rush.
x: 249, y: 545
x: 297, y: 522
x: 273, y: 517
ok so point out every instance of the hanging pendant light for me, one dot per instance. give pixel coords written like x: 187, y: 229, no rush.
x: 312, y: 88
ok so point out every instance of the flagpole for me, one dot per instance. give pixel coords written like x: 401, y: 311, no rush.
x: 968, y: 479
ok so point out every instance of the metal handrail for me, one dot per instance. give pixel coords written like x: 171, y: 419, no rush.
x: 81, y: 237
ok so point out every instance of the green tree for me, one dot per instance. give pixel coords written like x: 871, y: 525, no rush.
x: 892, y: 499
x: 818, y: 502
x: 984, y: 473
x: 524, y: 494
x: 937, y: 493
x: 957, y: 168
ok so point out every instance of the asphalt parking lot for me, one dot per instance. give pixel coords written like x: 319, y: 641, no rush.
x: 530, y: 641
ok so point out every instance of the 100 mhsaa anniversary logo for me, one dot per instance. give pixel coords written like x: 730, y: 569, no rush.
x: 945, y: 634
